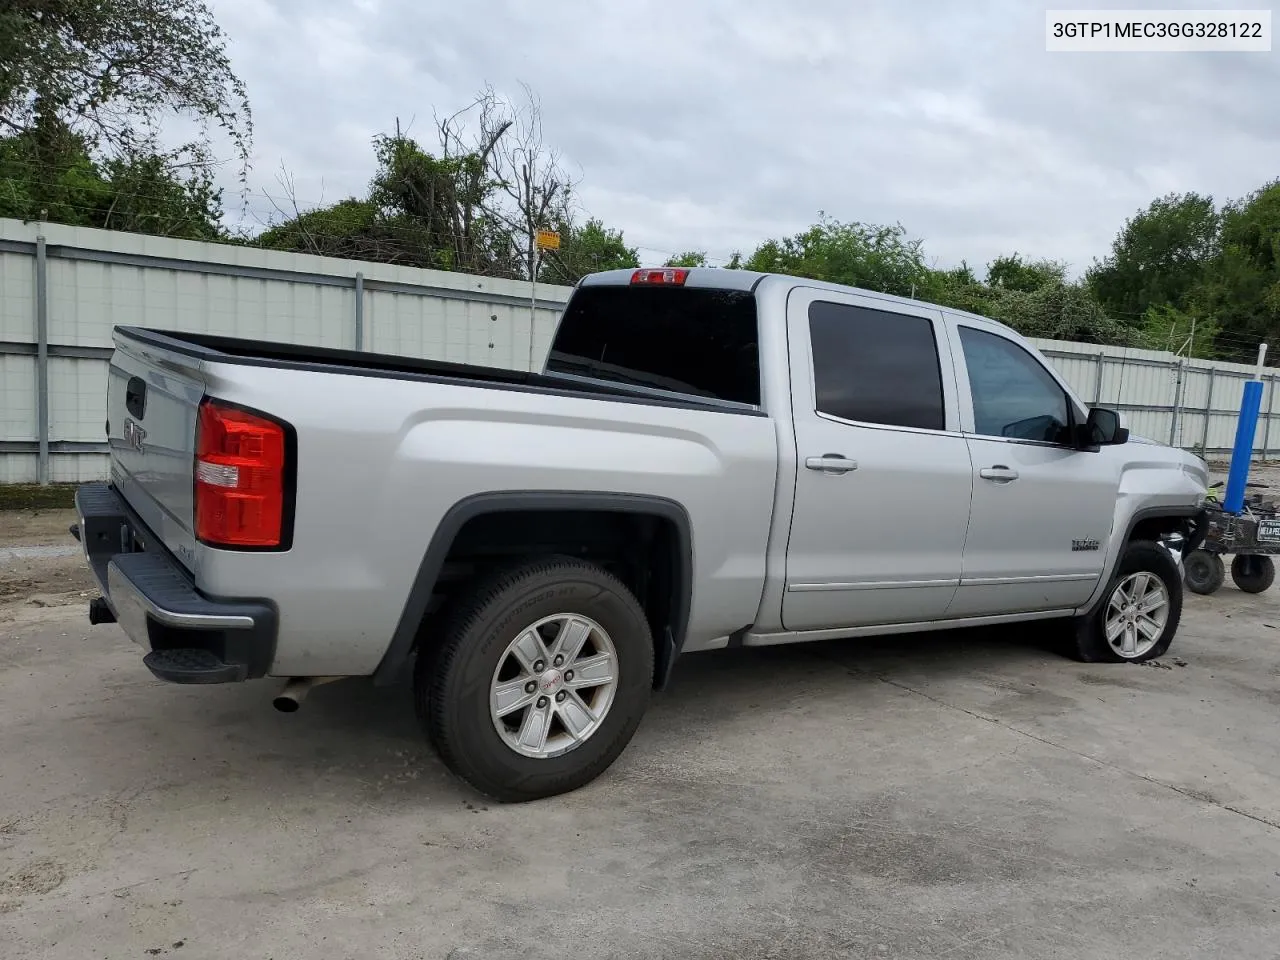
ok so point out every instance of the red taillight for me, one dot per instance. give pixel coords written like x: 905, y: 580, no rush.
x: 240, y: 478
x: 663, y: 276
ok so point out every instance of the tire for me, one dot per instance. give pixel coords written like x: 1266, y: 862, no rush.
x: 454, y: 684
x: 1203, y: 572
x: 1089, y: 642
x: 1253, y: 573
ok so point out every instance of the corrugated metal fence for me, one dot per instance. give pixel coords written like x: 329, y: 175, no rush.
x: 63, y: 288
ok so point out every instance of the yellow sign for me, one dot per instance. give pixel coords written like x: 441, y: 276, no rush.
x: 548, y: 240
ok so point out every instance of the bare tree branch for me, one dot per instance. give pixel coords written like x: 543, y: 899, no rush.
x: 534, y: 190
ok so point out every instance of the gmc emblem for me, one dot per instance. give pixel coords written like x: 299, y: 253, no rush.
x: 134, y: 434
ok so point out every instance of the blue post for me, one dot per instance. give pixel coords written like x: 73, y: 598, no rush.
x: 1246, y: 427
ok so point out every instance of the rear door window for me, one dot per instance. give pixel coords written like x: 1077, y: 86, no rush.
x: 875, y: 366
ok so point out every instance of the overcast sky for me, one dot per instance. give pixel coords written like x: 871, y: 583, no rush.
x: 713, y: 124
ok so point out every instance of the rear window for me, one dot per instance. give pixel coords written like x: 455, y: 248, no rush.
x: 685, y: 340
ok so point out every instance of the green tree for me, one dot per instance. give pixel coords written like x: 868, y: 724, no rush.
x: 873, y: 257
x: 56, y: 178
x: 589, y: 248
x: 437, y: 203
x: 1241, y: 287
x: 957, y: 288
x: 421, y: 210
x: 690, y: 258
x: 473, y: 202
x: 1159, y: 257
x: 147, y: 196
x: 111, y: 70
x: 50, y: 177
x: 1168, y: 328
x: 1034, y: 297
x: 1013, y: 273
x: 1060, y: 311
x: 351, y: 228
x: 84, y: 88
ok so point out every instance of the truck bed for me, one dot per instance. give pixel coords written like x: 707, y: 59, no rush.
x: 263, y: 353
x: 385, y: 455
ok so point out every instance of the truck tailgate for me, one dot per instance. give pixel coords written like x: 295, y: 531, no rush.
x: 153, y: 399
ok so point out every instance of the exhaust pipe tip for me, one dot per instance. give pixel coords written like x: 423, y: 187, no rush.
x: 289, y: 699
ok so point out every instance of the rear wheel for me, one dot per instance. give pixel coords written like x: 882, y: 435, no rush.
x: 1203, y: 572
x: 1139, y: 614
x: 540, y: 680
x: 1253, y: 573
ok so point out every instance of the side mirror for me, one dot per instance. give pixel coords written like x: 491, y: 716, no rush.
x: 1104, y: 428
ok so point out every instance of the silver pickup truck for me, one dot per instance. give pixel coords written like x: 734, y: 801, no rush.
x: 710, y: 458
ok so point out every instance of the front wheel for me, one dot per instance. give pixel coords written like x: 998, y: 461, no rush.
x: 1139, y: 614
x: 1253, y: 573
x: 540, y: 680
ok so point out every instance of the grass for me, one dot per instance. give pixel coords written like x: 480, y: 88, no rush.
x: 34, y: 496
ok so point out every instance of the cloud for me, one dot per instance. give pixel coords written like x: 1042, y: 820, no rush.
x: 715, y: 124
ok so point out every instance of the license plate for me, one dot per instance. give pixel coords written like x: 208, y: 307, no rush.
x: 1269, y: 530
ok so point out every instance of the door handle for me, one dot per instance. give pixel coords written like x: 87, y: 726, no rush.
x: 831, y: 463
x: 998, y: 473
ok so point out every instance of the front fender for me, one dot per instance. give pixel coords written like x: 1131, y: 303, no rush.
x: 1151, y: 492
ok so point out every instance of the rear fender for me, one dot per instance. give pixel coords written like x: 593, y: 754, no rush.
x: 668, y: 643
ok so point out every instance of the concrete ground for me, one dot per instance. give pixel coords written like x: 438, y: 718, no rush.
x: 952, y: 796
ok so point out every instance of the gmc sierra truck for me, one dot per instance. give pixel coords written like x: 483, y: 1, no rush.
x: 709, y: 458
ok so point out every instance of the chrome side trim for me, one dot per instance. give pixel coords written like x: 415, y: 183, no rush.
x: 885, y: 629
x: 1040, y: 578
x: 963, y: 582
x: 868, y: 585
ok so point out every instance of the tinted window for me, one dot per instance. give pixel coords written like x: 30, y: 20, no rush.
x: 876, y: 367
x: 687, y: 340
x: 1013, y: 394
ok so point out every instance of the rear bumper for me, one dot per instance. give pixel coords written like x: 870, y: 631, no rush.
x: 191, y: 638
